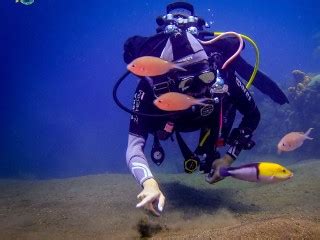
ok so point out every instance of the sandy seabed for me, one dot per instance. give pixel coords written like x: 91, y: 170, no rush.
x: 103, y: 207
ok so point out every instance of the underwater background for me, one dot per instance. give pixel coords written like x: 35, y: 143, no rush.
x: 60, y: 60
x: 63, y: 173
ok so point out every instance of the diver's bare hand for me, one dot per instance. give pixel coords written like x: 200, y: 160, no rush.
x: 151, y: 196
x: 214, y: 175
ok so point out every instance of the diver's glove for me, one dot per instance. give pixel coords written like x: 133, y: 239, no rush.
x: 239, y: 139
x: 214, y: 175
x: 150, y: 196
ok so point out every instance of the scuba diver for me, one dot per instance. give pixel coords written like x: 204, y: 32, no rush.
x: 207, y: 73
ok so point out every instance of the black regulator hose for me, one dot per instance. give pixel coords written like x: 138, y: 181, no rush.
x: 115, y: 97
x: 124, y: 108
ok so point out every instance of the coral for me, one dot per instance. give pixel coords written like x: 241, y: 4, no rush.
x: 302, y: 81
x: 291, y: 89
x: 314, y: 81
x: 302, y: 113
x: 306, y: 80
x: 300, y: 86
x: 298, y: 75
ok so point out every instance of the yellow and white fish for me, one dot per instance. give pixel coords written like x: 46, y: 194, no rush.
x: 265, y: 172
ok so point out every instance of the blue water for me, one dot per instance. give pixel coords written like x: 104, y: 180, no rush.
x: 60, y: 59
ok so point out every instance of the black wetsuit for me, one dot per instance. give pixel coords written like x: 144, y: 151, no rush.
x: 237, y: 98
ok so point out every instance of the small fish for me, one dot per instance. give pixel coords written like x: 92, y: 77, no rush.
x: 174, y: 101
x: 25, y: 2
x: 293, y: 140
x: 265, y: 172
x: 149, y: 66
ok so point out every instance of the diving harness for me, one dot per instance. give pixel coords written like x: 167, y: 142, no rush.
x: 192, y: 160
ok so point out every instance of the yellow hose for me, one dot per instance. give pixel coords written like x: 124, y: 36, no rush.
x: 256, y: 65
x: 204, y: 138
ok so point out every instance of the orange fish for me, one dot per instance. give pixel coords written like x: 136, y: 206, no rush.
x: 149, y: 66
x: 293, y: 140
x: 174, y: 101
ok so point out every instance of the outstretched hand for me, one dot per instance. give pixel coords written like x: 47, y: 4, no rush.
x: 214, y: 175
x: 151, y: 196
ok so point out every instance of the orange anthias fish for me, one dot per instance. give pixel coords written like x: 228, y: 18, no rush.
x: 149, y: 66
x: 293, y: 140
x: 174, y: 101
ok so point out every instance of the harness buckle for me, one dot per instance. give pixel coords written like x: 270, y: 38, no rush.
x: 161, y: 88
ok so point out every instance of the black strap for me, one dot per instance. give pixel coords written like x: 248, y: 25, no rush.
x: 191, y: 161
x: 157, y: 152
x: 185, y: 150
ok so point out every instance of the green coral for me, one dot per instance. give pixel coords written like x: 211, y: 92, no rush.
x: 314, y: 81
